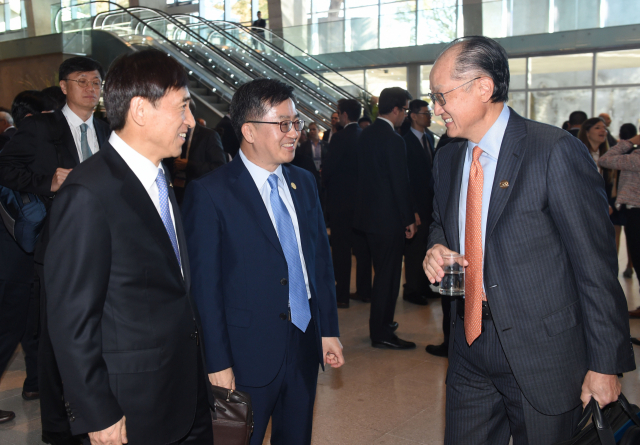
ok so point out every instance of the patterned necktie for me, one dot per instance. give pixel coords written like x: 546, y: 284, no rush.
x: 298, y: 298
x: 165, y: 214
x: 84, y: 144
x: 473, y: 251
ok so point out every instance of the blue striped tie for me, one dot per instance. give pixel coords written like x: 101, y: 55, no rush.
x: 163, y: 196
x: 298, y: 298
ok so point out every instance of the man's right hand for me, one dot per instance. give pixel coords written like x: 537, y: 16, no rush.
x: 58, y: 178
x: 114, y: 435
x: 433, y: 262
x: 224, y: 378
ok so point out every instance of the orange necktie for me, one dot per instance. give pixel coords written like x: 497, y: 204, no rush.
x: 473, y: 251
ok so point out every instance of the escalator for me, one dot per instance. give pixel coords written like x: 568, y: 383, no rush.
x: 219, y: 56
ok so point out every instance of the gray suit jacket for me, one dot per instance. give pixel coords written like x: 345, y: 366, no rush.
x: 550, y: 267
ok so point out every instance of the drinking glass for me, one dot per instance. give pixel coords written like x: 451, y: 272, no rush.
x: 453, y: 282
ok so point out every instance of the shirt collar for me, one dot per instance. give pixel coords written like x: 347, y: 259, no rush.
x: 144, y: 169
x: 8, y: 128
x: 259, y: 174
x: 388, y: 121
x: 492, y: 140
x: 417, y: 133
x: 74, y: 119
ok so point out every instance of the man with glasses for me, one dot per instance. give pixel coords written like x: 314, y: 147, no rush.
x: 37, y: 160
x: 384, y: 211
x: 542, y: 327
x: 261, y: 268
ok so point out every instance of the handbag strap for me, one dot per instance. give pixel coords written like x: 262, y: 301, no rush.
x: 601, y: 423
x: 622, y: 400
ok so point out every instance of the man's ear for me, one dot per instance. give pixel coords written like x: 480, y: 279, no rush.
x: 63, y: 86
x: 486, y: 88
x: 247, y: 131
x: 138, y: 110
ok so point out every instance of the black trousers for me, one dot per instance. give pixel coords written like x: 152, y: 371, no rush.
x: 288, y: 400
x: 484, y: 402
x: 386, y: 252
x: 18, y: 324
x: 364, y: 272
x: 632, y: 232
x: 52, y: 409
x: 341, y: 239
x: 415, y: 249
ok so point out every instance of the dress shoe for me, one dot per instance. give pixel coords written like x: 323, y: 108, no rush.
x: 60, y: 438
x: 356, y: 296
x: 393, y: 326
x: 343, y: 305
x: 438, y: 350
x: 30, y: 395
x: 635, y: 341
x: 394, y: 343
x: 634, y: 313
x: 6, y: 416
x: 416, y: 299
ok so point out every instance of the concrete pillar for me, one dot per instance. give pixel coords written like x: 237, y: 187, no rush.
x: 472, y: 12
x: 413, y: 80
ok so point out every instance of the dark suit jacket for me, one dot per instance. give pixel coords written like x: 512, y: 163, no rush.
x: 206, y: 152
x: 6, y: 135
x: 325, y: 136
x: 550, y: 264
x: 306, y: 149
x: 239, y: 270
x: 119, y: 311
x: 29, y: 160
x: 420, y: 178
x: 229, y: 139
x: 340, y: 174
x: 304, y: 160
x: 383, y: 198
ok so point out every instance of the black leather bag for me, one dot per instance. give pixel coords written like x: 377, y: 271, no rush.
x: 616, y: 424
x: 231, y: 416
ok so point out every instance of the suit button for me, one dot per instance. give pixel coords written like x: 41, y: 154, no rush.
x: 283, y: 316
x: 66, y: 404
x: 72, y: 418
x: 193, y: 336
x: 284, y: 282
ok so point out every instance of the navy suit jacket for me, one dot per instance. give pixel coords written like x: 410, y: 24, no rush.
x: 550, y: 263
x: 239, y: 272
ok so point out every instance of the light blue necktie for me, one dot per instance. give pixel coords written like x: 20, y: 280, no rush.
x: 84, y: 144
x: 165, y: 214
x: 298, y: 298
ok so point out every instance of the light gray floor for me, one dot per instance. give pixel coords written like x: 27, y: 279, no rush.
x: 377, y: 397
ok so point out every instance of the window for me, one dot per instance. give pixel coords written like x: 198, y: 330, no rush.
x: 379, y: 79
x: 212, y: 9
x: 561, y: 71
x: 12, y: 17
x: 618, y: 67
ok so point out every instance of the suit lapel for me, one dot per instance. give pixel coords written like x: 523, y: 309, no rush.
x: 249, y: 194
x: 509, y: 161
x: 453, y: 201
x: 301, y: 211
x: 64, y: 138
x: 102, y: 131
x: 182, y: 240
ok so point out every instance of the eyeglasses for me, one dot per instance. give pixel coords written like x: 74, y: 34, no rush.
x: 406, y: 110
x: 428, y: 113
x: 84, y: 83
x: 285, y: 126
x: 439, y: 97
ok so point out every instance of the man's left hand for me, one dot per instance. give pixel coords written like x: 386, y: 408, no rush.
x: 332, y: 352
x: 605, y: 388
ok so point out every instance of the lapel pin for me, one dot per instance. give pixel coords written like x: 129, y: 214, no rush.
x: 504, y: 184
x: 293, y: 185
x: 171, y: 184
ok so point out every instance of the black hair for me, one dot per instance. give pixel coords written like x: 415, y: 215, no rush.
x: 364, y: 119
x: 29, y: 102
x: 566, y: 125
x: 149, y: 74
x: 254, y: 99
x: 577, y: 118
x: 352, y: 107
x: 310, y: 124
x: 415, y: 106
x: 627, y: 131
x: 391, y: 98
x: 481, y: 56
x: 79, y: 65
x: 56, y: 95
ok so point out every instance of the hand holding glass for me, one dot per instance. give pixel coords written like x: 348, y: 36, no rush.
x: 453, y: 282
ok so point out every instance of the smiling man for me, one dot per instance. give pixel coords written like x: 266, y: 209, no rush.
x: 542, y: 327
x: 261, y: 266
x: 121, y: 319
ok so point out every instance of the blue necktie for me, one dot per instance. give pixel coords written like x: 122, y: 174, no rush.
x: 165, y: 214
x: 84, y: 144
x: 298, y: 298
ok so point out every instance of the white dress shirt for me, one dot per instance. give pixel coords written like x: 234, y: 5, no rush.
x: 146, y: 171
x: 74, y: 124
x: 260, y: 177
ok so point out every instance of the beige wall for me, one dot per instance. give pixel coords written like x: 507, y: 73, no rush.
x: 28, y: 73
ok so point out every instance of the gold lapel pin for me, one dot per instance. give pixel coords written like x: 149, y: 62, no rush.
x: 293, y: 185
x: 171, y: 184
x: 504, y: 184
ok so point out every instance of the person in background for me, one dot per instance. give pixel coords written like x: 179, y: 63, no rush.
x: 627, y: 131
x: 305, y: 155
x: 364, y: 122
x: 607, y: 123
x: 335, y: 127
x: 57, y: 96
x: 566, y: 126
x: 229, y: 139
x: 261, y: 265
x: 576, y: 119
x: 259, y: 25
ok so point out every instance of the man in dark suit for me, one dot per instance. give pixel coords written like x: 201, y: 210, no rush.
x: 340, y: 176
x: 37, y: 160
x: 335, y: 127
x: 314, y: 148
x: 261, y: 266
x: 543, y: 323
x: 384, y: 211
x: 7, y: 129
x: 121, y: 319
x: 576, y: 119
x: 230, y: 141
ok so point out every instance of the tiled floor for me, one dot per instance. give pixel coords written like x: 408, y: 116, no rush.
x: 377, y: 397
